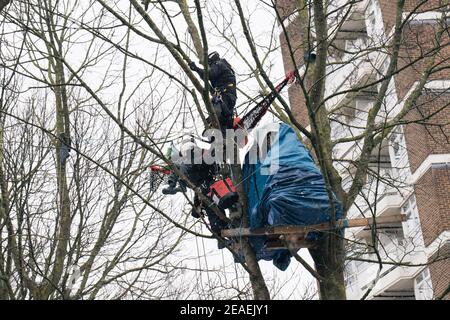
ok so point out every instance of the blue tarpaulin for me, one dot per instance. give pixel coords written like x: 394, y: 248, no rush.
x: 290, y: 193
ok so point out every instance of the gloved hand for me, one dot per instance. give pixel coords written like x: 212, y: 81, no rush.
x: 193, y: 66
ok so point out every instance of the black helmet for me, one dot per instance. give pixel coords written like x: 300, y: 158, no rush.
x: 213, y: 57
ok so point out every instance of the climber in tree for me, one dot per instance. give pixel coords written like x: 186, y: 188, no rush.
x: 199, y: 174
x: 223, y: 88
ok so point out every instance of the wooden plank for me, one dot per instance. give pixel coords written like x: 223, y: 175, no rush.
x: 365, y: 222
x: 296, y: 242
x: 342, y: 223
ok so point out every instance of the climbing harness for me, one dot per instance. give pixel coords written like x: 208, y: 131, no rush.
x: 216, y: 93
x: 217, y: 96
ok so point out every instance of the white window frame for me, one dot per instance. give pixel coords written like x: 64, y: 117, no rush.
x: 423, y: 287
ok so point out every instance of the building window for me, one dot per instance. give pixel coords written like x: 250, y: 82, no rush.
x: 350, y: 274
x: 397, y: 143
x: 423, y: 288
x: 412, y: 228
x: 353, y: 269
x: 372, y: 19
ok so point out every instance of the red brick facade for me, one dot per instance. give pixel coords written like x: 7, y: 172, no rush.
x: 286, y: 7
x: 431, y: 136
x: 440, y: 273
x: 417, y: 44
x: 416, y: 52
x: 389, y: 9
x: 433, y: 202
x: 296, y: 97
x: 422, y: 139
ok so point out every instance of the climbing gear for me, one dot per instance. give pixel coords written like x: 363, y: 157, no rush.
x: 223, y: 193
x: 236, y: 120
x: 250, y: 120
x: 197, y: 210
x: 228, y: 86
x: 158, y: 175
x: 222, y: 89
x: 216, y: 96
x: 172, y: 188
x: 192, y: 66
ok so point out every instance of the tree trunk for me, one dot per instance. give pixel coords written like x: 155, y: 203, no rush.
x: 329, y: 261
x: 260, y: 291
x: 259, y: 287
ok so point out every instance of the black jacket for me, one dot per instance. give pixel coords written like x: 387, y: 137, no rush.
x: 221, y: 76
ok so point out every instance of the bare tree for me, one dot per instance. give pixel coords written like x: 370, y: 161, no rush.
x: 129, y: 88
x: 76, y: 220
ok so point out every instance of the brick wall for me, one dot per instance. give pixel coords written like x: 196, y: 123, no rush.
x: 424, y: 6
x: 414, y: 56
x: 286, y: 7
x: 433, y: 189
x: 440, y: 272
x: 416, y: 43
x: 433, y: 202
x: 296, y: 42
x: 389, y: 9
x: 296, y: 97
x: 431, y: 136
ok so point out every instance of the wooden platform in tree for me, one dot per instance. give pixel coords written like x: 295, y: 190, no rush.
x: 304, y: 230
x: 295, y: 236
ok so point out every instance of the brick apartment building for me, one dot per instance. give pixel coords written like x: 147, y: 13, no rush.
x: 415, y: 156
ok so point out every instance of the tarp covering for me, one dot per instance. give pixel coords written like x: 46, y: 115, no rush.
x: 293, y: 193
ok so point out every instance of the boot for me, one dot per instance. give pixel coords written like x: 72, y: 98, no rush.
x: 170, y: 190
x: 195, y: 212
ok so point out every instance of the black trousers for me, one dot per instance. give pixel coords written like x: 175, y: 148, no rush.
x: 224, y: 109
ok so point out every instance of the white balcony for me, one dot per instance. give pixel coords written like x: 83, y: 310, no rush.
x: 361, y: 281
x: 393, y: 281
x: 354, y: 25
x: 343, y: 78
x: 397, y: 283
x: 388, y: 203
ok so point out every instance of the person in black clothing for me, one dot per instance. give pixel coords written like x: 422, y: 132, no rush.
x: 223, y: 88
x: 202, y: 176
